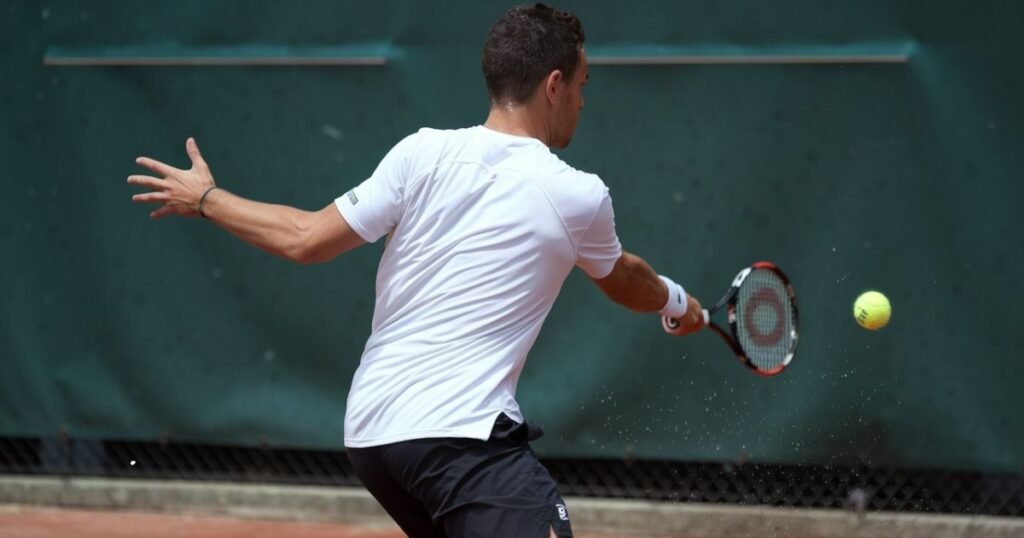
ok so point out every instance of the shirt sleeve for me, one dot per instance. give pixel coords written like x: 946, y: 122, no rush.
x: 599, y: 248
x: 374, y: 207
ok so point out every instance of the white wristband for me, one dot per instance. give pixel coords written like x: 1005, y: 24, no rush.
x: 677, y: 303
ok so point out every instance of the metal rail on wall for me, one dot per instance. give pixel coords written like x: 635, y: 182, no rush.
x: 363, y: 55
x: 382, y: 54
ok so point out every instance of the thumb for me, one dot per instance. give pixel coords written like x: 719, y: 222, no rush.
x: 193, y: 152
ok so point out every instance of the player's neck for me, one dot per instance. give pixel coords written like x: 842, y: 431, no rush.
x: 518, y: 120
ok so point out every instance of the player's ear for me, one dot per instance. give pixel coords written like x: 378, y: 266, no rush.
x: 552, y: 85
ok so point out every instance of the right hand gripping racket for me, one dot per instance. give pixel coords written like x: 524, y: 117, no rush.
x: 762, y: 315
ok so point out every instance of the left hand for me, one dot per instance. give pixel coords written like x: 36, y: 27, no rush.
x: 178, y: 190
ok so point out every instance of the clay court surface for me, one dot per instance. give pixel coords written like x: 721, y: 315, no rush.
x: 18, y: 522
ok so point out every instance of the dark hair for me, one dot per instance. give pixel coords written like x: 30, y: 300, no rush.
x: 524, y: 46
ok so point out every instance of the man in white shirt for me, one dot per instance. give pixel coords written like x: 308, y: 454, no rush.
x: 484, y: 224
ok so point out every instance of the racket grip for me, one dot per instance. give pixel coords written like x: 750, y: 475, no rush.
x: 671, y: 326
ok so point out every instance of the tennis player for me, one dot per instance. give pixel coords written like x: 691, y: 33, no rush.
x: 484, y: 224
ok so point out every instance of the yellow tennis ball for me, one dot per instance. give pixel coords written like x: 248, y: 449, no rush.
x: 872, y: 310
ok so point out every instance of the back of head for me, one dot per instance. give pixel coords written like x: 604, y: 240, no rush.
x: 524, y: 46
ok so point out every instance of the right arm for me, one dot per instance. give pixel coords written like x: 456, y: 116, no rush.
x: 627, y: 279
x: 633, y: 284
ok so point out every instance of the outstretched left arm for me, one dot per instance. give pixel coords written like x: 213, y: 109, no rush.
x: 294, y: 234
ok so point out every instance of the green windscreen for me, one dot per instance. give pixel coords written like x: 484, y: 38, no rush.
x: 880, y: 155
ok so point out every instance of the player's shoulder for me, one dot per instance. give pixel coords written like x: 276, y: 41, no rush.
x: 575, y: 193
x: 422, y: 136
x: 529, y: 156
x: 429, y: 135
x: 428, y: 141
x: 424, y: 146
x: 567, y: 176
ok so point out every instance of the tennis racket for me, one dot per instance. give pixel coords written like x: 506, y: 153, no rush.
x: 762, y: 315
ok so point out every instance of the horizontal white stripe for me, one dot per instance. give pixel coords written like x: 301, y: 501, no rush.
x: 223, y: 61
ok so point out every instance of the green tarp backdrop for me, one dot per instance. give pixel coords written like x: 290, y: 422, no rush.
x: 899, y: 176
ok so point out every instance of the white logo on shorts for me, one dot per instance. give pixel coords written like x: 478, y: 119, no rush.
x: 563, y: 514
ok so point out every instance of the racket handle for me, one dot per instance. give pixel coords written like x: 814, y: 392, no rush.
x: 673, y: 327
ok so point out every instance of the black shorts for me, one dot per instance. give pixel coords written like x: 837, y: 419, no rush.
x: 463, y: 488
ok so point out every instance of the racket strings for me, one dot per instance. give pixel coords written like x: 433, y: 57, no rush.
x: 765, y: 321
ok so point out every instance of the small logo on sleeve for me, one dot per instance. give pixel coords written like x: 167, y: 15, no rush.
x: 563, y: 514
x: 352, y: 198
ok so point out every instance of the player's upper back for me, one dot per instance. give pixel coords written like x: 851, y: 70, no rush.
x: 484, y: 227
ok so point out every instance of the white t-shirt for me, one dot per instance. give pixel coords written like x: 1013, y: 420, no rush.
x: 483, y: 229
